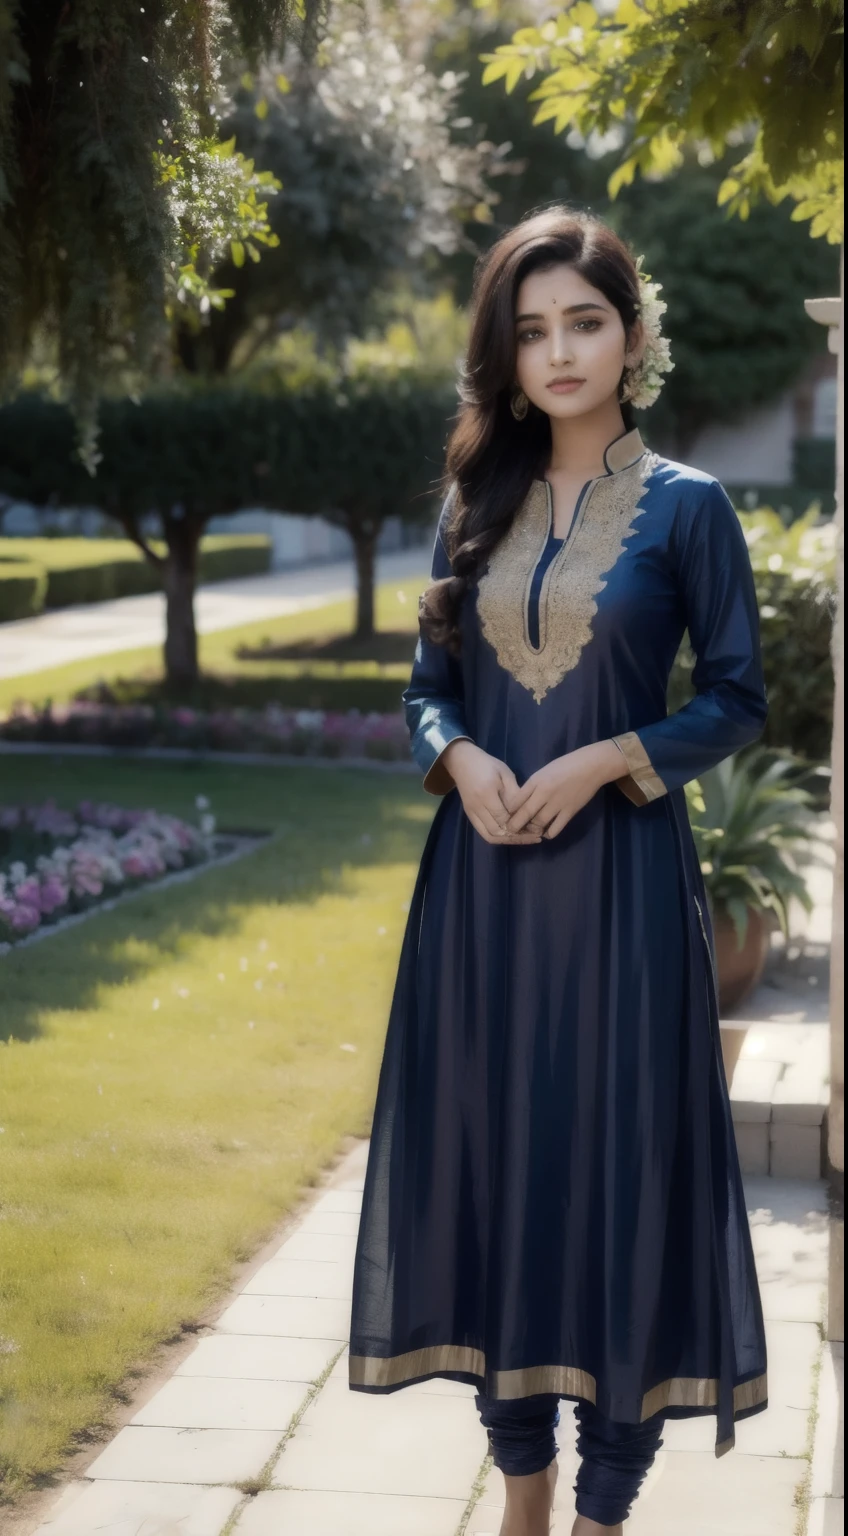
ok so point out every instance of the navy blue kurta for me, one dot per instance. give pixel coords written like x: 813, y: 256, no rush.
x: 553, y: 1200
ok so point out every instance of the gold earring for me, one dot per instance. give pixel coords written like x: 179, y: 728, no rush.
x: 519, y: 404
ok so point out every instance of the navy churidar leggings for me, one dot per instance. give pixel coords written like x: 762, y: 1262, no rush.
x: 614, y: 1457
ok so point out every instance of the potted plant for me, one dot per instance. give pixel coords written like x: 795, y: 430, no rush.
x: 753, y: 825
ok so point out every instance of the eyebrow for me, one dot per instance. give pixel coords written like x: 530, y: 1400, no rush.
x: 573, y: 309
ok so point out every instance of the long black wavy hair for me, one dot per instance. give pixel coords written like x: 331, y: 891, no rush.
x: 492, y: 459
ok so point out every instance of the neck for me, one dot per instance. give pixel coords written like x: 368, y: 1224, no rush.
x: 578, y: 442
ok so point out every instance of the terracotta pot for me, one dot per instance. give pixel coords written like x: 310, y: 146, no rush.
x: 739, y: 968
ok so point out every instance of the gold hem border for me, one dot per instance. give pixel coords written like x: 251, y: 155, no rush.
x: 676, y: 1392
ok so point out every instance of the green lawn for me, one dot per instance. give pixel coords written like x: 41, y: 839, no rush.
x: 171, y: 1073
x: 305, y: 660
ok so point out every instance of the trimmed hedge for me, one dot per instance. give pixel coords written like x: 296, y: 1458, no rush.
x: 225, y: 557
x: 62, y: 572
x: 365, y: 451
x: 23, y: 588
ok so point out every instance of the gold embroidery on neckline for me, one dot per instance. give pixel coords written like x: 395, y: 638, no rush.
x: 570, y: 584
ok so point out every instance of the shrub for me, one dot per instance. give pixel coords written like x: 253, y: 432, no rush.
x: 225, y: 557
x: 95, y: 570
x: 795, y: 574
x: 23, y: 588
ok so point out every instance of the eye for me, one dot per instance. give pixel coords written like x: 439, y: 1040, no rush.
x: 530, y: 334
x: 592, y: 324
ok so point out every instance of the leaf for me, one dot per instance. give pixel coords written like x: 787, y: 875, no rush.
x: 509, y: 70
x: 237, y: 253
x: 261, y: 108
x: 623, y: 176
x: 583, y: 15
x: 283, y: 84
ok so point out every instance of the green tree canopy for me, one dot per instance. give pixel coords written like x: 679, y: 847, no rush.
x: 376, y: 185
x: 116, y: 195
x: 735, y: 291
x: 660, y: 74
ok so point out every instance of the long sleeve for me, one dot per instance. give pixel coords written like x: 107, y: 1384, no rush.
x: 730, y: 707
x: 434, y: 699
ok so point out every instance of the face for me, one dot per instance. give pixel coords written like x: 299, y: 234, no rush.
x: 570, y: 343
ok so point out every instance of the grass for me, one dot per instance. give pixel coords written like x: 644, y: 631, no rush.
x: 172, y: 1074
x: 64, y: 554
x: 69, y: 554
x: 304, y: 660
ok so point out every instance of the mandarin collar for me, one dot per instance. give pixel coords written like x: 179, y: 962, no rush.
x: 623, y: 451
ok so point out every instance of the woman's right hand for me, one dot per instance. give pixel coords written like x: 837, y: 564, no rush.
x: 479, y: 777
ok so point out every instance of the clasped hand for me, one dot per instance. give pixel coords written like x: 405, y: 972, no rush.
x: 504, y: 811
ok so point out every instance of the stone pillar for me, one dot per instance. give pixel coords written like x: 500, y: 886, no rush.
x: 831, y: 312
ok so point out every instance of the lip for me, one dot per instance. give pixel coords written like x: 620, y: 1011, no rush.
x: 565, y: 386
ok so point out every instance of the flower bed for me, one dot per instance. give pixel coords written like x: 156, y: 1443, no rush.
x: 54, y: 863
x: 302, y: 732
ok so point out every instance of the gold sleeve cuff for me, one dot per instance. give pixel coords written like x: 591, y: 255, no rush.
x: 642, y: 784
x: 437, y: 780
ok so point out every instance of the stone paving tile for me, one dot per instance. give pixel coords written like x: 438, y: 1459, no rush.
x: 318, y: 1248
x: 302, y: 1277
x: 360, y: 1443
x: 293, y: 1513
x: 338, y: 1200
x: 331, y: 1223
x: 208, y: 1402
x: 707, y: 1496
x: 140, y: 1509
x: 145, y: 1454
x: 258, y: 1358
x: 827, y: 1518
x: 785, y: 1301
x: 790, y: 1236
x: 298, y: 1317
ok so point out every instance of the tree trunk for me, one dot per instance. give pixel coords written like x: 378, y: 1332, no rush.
x: 179, y: 580
x: 365, y: 551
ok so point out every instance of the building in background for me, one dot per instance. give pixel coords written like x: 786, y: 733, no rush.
x: 786, y: 449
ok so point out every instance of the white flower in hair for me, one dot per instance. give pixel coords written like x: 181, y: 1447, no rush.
x: 644, y: 382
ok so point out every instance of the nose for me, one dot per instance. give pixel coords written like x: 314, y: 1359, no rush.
x: 561, y: 351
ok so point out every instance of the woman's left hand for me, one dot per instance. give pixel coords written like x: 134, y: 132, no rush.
x: 552, y: 795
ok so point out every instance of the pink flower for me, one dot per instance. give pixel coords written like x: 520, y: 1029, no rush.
x: 53, y: 894
x: 28, y: 892
x: 136, y: 866
x: 24, y: 918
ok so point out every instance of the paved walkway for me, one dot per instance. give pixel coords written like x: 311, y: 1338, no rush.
x: 69, y: 634
x: 257, y: 1433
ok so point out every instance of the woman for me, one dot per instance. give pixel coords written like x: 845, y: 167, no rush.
x: 553, y: 1205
